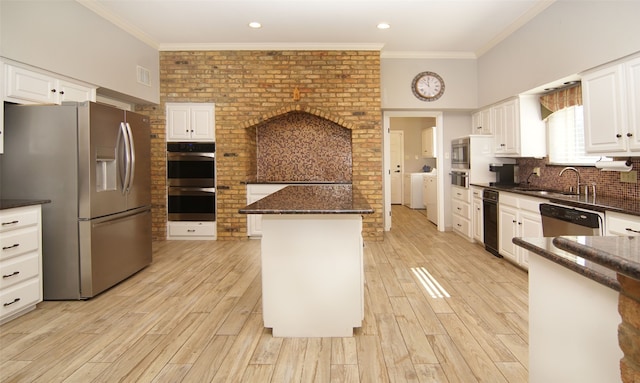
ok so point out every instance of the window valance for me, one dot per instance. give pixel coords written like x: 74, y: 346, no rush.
x: 560, y: 99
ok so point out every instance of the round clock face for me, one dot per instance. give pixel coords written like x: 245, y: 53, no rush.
x: 428, y: 86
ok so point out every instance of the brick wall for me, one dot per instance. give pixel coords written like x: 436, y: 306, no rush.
x: 251, y: 86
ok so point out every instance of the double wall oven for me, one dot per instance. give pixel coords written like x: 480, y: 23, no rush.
x: 191, y: 168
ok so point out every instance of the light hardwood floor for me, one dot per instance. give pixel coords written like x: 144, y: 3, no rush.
x: 194, y: 315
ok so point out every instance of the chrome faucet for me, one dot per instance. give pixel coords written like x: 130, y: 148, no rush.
x: 577, y: 190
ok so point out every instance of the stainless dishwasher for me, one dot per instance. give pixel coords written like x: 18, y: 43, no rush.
x: 558, y: 220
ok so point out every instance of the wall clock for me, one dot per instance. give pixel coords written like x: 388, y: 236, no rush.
x: 427, y: 86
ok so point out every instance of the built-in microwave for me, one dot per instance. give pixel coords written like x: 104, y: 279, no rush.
x: 460, y: 178
x: 460, y: 153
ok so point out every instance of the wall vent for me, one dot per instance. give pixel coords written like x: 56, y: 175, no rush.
x: 144, y: 75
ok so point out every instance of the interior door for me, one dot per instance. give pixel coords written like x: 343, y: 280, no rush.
x: 397, y: 155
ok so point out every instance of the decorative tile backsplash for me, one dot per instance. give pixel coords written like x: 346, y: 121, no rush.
x: 607, y: 183
x: 301, y: 147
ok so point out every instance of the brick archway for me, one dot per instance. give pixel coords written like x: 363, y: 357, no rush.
x: 296, y: 107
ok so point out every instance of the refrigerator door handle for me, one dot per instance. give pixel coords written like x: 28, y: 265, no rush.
x: 124, y: 135
x: 132, y: 158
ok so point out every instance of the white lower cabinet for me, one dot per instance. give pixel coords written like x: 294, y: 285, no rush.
x: 461, y: 211
x: 622, y: 224
x: 518, y: 216
x: 20, y: 261
x: 256, y: 192
x: 188, y: 230
x: 477, y: 214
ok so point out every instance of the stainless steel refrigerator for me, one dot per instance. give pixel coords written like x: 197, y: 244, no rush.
x: 93, y: 162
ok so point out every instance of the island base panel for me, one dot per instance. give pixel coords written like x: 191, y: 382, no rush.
x: 573, y: 326
x: 312, y: 274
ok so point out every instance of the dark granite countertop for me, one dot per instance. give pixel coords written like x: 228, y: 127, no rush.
x: 599, y: 203
x: 252, y: 182
x: 584, y: 265
x: 620, y: 254
x: 311, y: 199
x: 13, y: 203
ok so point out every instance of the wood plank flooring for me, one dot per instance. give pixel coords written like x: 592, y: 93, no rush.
x: 194, y: 315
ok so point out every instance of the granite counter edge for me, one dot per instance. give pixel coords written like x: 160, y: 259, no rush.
x: 582, y: 270
x: 6, y: 204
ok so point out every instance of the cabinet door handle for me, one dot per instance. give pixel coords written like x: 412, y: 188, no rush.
x: 191, y: 230
x: 12, y: 302
x: 631, y: 230
x: 10, y: 223
x: 629, y: 134
x: 519, y: 223
x: 514, y: 221
x: 10, y: 247
x: 11, y: 275
x: 618, y: 135
x: 53, y: 90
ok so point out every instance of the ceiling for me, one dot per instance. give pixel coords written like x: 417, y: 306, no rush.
x: 419, y: 28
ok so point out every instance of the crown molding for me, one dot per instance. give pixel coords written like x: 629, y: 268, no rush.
x: 118, y: 21
x: 270, y: 47
x: 426, y: 55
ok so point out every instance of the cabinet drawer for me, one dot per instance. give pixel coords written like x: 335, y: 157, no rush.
x: 461, y: 208
x: 622, y: 224
x: 18, y: 218
x: 509, y: 199
x: 530, y: 204
x: 189, y: 229
x: 461, y: 225
x: 460, y: 194
x: 18, y: 269
x: 18, y: 297
x: 18, y: 242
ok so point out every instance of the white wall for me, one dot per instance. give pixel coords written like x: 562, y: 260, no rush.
x: 459, y: 76
x: 66, y: 38
x: 565, y: 39
x: 455, y: 125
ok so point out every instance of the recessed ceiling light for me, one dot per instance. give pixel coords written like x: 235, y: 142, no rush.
x: 255, y: 25
x: 384, y: 26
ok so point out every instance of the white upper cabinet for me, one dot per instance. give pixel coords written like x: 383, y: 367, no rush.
x: 518, y: 128
x: 190, y: 122
x: 611, y: 98
x: 481, y: 122
x: 26, y: 86
x: 428, y: 143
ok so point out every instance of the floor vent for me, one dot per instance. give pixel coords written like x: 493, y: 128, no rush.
x: 430, y: 284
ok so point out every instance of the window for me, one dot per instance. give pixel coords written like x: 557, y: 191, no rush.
x: 565, y: 135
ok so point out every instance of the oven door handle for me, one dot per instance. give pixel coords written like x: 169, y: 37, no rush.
x: 191, y: 156
x: 190, y: 191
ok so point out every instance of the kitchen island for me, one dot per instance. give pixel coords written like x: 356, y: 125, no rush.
x: 312, y: 259
x: 583, y: 308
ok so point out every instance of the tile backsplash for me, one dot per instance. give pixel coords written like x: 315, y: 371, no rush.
x: 301, y: 147
x: 607, y: 183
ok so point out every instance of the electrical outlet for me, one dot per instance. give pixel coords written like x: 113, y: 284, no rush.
x: 536, y: 171
x: 629, y: 177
